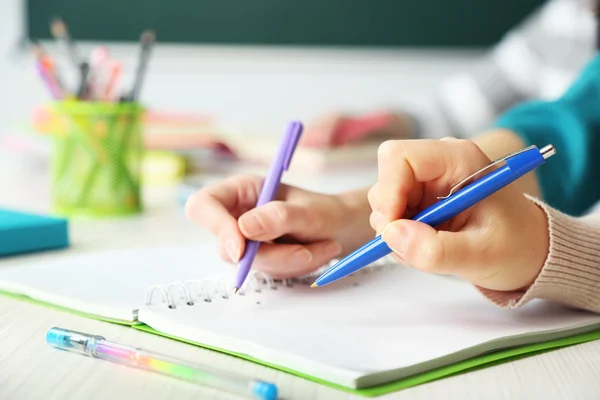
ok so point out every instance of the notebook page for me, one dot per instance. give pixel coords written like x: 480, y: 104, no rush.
x: 110, y: 284
x: 367, y: 329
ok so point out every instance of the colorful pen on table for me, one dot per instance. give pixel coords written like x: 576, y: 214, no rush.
x: 280, y: 163
x: 98, y: 347
x: 516, y: 165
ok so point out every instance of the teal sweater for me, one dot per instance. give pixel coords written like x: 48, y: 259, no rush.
x: 570, y: 180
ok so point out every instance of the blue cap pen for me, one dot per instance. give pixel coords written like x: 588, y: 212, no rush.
x: 517, y: 164
x: 268, y: 192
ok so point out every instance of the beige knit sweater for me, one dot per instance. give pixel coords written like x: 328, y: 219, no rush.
x: 571, y: 274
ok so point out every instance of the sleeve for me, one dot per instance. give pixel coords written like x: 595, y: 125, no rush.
x: 568, y: 180
x: 466, y: 103
x: 571, y: 273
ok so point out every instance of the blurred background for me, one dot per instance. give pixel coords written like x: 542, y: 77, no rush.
x: 261, y: 62
x: 250, y: 66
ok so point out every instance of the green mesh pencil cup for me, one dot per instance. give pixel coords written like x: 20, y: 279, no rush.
x: 96, y: 158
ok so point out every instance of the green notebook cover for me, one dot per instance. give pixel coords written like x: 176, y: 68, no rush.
x: 486, y: 360
x: 474, y: 363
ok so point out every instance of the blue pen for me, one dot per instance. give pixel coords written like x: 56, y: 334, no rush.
x: 269, y: 190
x: 517, y: 164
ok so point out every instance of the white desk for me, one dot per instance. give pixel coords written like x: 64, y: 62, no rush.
x: 29, y: 369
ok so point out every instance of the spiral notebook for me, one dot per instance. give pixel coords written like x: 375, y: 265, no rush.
x: 382, y: 329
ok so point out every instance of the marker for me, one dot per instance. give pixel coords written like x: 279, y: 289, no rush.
x: 147, y: 40
x: 83, y: 83
x: 281, y: 163
x: 98, y: 71
x: 44, y: 66
x: 98, y: 347
x: 48, y: 64
x: 517, y: 164
x: 113, y: 78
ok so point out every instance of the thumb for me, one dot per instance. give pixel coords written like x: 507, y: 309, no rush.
x: 420, y: 246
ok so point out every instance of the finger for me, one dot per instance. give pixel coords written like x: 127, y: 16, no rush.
x: 420, y: 246
x: 377, y: 221
x: 207, y: 206
x: 215, y: 207
x: 278, y: 218
x: 404, y: 165
x: 286, y: 261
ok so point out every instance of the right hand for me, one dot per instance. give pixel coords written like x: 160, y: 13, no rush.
x: 300, y: 230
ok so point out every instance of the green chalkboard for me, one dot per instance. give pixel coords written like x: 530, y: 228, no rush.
x: 382, y: 23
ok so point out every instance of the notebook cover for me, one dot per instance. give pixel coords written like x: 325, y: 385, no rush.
x: 24, y: 233
x: 475, y: 363
x: 30, y: 300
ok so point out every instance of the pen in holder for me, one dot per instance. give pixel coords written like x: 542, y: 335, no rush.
x: 96, y: 158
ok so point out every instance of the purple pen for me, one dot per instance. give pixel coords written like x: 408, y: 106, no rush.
x: 269, y: 190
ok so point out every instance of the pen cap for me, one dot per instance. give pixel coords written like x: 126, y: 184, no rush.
x: 76, y: 342
x: 264, y: 390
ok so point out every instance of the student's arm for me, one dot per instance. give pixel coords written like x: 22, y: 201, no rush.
x: 467, y: 103
x: 572, y: 124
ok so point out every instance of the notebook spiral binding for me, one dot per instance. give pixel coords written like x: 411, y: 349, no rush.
x: 206, y: 290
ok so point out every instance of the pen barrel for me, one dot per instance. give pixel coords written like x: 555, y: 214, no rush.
x: 515, y: 168
x: 176, y: 368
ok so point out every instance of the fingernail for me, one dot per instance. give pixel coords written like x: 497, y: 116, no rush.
x: 233, y: 250
x: 252, y: 225
x: 302, y: 256
x: 395, y: 236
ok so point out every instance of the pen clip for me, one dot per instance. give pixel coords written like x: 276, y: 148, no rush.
x: 462, y: 183
x: 291, y: 140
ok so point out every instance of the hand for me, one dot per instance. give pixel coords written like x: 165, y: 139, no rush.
x: 338, y: 130
x: 301, y: 230
x: 499, y: 244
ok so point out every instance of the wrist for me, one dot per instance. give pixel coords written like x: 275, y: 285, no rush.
x: 540, y: 245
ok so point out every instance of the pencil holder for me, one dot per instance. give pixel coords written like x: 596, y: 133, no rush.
x: 96, y: 158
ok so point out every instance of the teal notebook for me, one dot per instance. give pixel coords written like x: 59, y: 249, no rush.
x: 22, y: 232
x: 378, y: 331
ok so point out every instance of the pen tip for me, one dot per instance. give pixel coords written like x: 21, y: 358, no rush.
x: 235, y: 290
x: 314, y: 285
